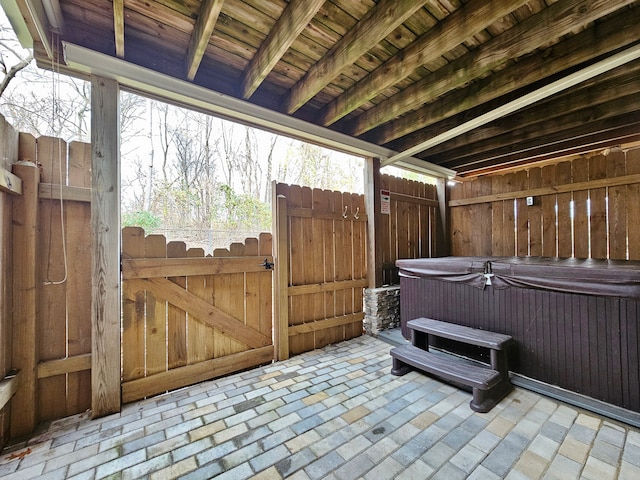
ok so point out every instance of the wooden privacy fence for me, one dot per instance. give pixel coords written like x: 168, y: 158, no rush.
x: 321, y: 267
x: 588, y: 207
x: 189, y: 318
x: 408, y: 230
x: 51, y: 298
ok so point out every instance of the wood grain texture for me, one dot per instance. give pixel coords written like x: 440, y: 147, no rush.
x: 105, y: 225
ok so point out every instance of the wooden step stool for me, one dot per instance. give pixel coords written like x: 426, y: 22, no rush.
x: 489, y: 384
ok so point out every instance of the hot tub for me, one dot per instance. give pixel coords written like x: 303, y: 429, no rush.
x: 576, y: 322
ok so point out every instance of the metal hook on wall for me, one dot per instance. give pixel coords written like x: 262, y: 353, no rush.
x: 357, y: 214
x: 344, y: 214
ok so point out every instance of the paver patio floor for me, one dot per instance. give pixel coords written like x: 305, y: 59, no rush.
x: 334, y: 413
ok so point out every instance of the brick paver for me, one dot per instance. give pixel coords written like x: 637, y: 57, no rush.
x: 336, y: 413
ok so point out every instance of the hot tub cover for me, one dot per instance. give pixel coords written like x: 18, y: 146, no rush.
x: 615, y: 278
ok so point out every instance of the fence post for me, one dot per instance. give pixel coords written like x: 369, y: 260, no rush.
x: 105, y: 246
x: 281, y: 290
x: 25, y: 277
x: 373, y: 204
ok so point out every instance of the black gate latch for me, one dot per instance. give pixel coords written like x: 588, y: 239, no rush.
x: 267, y: 265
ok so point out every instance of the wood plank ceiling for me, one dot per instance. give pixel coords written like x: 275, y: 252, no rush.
x: 394, y: 72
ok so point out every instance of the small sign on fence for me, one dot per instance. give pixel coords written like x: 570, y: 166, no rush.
x: 385, y: 202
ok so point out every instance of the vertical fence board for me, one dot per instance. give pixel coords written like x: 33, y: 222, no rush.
x: 580, y: 173
x: 565, y: 224
x: 617, y: 207
x: 522, y: 211
x: 176, y: 317
x: 497, y: 212
x: 52, y: 154
x: 78, y: 291
x: 133, y: 301
x: 509, y: 236
x: 633, y: 205
x: 296, y: 249
x: 549, y: 234
x: 156, y: 318
x: 535, y: 214
x: 200, y: 337
x: 597, y: 197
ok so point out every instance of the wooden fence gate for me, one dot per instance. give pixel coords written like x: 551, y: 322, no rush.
x: 189, y: 318
x: 321, y: 267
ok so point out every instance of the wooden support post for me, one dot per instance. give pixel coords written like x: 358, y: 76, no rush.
x: 443, y: 233
x: 281, y: 290
x: 373, y: 205
x: 105, y: 263
x: 25, y: 278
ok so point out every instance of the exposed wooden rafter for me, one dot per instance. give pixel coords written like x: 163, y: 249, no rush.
x: 586, y: 46
x: 289, y: 25
x: 379, y: 22
x: 444, y: 36
x: 118, y: 26
x: 202, y: 31
x: 559, y: 19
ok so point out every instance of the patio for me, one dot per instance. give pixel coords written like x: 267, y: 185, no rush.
x: 330, y: 413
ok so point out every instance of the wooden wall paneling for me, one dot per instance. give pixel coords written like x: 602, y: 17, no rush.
x: 25, y: 330
x: 457, y: 214
x: 236, y: 295
x: 617, y: 206
x: 403, y: 219
x: 222, y: 298
x: 252, y: 287
x: 52, y: 290
x: 78, y: 235
x: 329, y: 271
x: 133, y: 310
x: 359, y: 262
x: 549, y: 232
x: 580, y: 173
x: 483, y: 187
x: 348, y: 258
x: 176, y: 317
x: 296, y: 262
x: 521, y: 182
x: 498, y: 228
x: 414, y: 218
x: 156, y: 331
x: 435, y: 223
x: 393, y: 223
x: 317, y: 263
x: 633, y: 205
x: 565, y: 223
x: 597, y: 197
x: 341, y: 269
x: 307, y: 263
x: 509, y: 236
x: 266, y: 279
x: 201, y: 338
x: 535, y: 215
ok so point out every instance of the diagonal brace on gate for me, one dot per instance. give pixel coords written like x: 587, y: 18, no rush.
x: 202, y: 310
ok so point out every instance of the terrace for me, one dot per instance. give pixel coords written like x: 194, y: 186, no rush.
x: 332, y: 413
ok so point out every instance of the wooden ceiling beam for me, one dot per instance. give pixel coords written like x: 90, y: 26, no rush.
x: 118, y: 26
x: 206, y: 22
x: 377, y: 24
x: 295, y: 17
x: 561, y: 18
x: 443, y: 37
x: 619, y: 32
x: 618, y: 113
x: 594, y: 139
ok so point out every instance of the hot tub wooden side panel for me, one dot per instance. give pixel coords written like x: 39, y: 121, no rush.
x: 583, y: 343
